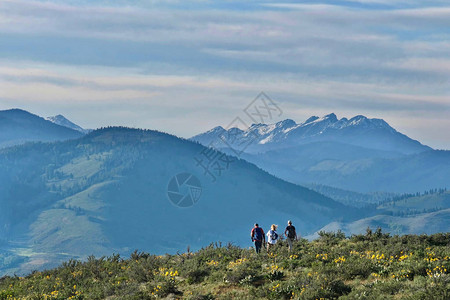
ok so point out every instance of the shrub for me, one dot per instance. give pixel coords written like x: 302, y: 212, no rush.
x: 196, y: 276
x: 373, y: 266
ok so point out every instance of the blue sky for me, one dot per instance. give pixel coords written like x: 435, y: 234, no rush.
x: 186, y: 66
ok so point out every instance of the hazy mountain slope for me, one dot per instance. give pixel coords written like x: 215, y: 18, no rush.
x: 410, y: 173
x: 426, y: 202
x: 301, y: 158
x: 63, y: 121
x: 349, y: 197
x: 417, y: 224
x: 424, y: 213
x: 19, y: 126
x: 107, y: 192
x: 364, y: 173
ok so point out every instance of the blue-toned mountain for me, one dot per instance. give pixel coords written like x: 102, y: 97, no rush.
x: 357, y: 154
x: 19, y: 126
x: 108, y: 192
x: 358, y: 131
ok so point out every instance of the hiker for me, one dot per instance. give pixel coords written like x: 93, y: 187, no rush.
x: 291, y: 234
x: 272, y: 237
x: 258, y: 237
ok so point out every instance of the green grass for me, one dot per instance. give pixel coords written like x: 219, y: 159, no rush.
x: 84, y: 166
x: 418, y: 203
x: 370, y: 266
x: 89, y: 199
x: 65, y: 230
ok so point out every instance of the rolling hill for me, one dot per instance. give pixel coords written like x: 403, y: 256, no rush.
x: 424, y: 213
x: 107, y: 192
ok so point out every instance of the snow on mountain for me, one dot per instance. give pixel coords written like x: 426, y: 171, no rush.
x: 63, y: 121
x: 359, y: 130
x: 18, y: 126
x: 359, y: 154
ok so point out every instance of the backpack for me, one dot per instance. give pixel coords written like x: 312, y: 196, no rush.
x: 258, y: 234
x: 291, y: 232
x: 273, y: 235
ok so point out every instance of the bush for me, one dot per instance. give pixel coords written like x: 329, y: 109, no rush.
x: 196, y: 276
x: 370, y: 266
x: 275, y: 275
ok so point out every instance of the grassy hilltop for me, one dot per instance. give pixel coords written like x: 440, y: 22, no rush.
x: 370, y: 266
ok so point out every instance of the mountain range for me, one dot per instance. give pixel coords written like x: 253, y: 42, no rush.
x: 358, y: 154
x: 358, y: 131
x: 69, y: 193
x: 108, y: 192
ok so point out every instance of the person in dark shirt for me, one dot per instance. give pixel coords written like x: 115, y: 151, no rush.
x: 258, y: 237
x: 291, y: 234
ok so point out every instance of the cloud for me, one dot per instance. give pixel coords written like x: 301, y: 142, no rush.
x: 184, y: 65
x: 304, y: 6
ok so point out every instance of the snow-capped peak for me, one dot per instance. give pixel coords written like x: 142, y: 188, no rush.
x: 357, y: 120
x: 288, y: 123
x: 331, y: 116
x: 217, y: 129
x: 310, y: 120
x: 288, y: 133
x: 63, y: 121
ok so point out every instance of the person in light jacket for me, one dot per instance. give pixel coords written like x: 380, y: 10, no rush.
x: 272, y: 237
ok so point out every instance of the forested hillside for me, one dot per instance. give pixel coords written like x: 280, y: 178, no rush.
x: 108, y: 192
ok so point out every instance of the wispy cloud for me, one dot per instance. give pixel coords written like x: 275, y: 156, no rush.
x: 184, y: 61
x: 304, y: 6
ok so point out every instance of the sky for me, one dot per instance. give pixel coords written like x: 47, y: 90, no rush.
x: 184, y: 67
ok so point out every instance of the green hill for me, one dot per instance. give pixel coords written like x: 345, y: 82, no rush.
x: 433, y: 200
x: 350, y: 198
x: 108, y: 192
x: 370, y: 266
x: 420, y: 213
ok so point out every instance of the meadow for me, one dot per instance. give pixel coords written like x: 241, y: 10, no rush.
x: 374, y: 265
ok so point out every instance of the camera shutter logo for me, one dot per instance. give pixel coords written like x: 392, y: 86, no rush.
x: 184, y: 190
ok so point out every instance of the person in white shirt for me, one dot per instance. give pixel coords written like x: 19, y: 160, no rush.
x: 272, y: 237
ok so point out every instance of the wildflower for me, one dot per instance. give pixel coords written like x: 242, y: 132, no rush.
x: 339, y: 260
x: 323, y: 256
x: 212, y: 263
x: 275, y: 287
x: 238, y: 262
